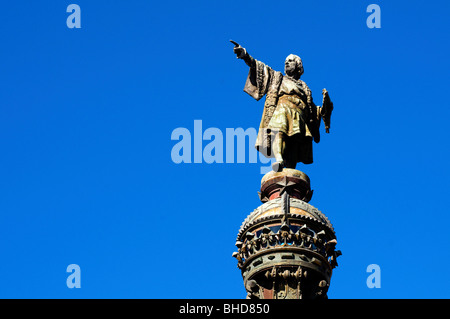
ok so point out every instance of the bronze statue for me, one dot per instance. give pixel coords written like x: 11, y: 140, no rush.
x: 290, y: 120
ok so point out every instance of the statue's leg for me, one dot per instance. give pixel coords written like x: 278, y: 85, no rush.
x: 278, y: 149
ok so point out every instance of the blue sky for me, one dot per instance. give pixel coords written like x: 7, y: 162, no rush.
x: 86, y: 174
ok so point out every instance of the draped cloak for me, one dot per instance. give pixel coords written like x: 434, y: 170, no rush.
x: 262, y: 80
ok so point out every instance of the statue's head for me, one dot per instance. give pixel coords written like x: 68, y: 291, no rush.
x: 293, y: 66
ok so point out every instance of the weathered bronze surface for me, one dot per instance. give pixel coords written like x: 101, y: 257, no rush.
x: 290, y: 120
x: 286, y: 247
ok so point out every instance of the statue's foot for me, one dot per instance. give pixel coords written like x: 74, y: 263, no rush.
x: 278, y: 166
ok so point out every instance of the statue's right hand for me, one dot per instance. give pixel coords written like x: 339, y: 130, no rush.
x: 238, y: 50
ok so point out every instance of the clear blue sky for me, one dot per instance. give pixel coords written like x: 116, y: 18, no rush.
x: 86, y: 174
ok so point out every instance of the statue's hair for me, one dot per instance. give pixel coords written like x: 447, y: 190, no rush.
x: 298, y: 62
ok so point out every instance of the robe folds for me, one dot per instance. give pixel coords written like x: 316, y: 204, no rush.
x: 288, y: 108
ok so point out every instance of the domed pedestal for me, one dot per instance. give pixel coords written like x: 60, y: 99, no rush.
x: 274, y: 183
x: 286, y: 247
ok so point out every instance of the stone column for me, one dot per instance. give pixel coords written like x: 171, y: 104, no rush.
x: 286, y: 247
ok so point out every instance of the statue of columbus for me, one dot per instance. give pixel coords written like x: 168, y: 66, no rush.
x: 290, y: 120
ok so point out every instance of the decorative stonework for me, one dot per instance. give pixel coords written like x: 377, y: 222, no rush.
x: 286, y: 247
